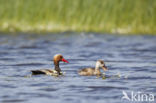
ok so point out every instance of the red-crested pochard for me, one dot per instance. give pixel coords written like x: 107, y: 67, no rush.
x: 53, y: 72
x: 93, y: 71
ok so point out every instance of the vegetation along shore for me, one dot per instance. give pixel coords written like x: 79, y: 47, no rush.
x: 106, y: 16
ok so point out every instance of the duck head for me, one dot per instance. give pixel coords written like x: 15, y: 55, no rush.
x: 57, y: 58
x: 100, y: 63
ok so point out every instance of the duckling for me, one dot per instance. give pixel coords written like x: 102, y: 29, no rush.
x: 93, y: 71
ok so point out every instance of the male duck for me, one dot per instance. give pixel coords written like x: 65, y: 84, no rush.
x: 53, y: 72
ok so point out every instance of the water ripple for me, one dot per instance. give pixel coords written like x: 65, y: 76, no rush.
x: 131, y: 61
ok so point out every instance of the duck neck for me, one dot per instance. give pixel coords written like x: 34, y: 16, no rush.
x: 57, y: 68
x: 97, y: 69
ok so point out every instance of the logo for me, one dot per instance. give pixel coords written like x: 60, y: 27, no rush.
x: 138, y: 96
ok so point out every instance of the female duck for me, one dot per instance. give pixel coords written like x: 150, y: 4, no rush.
x: 56, y: 71
x: 93, y: 71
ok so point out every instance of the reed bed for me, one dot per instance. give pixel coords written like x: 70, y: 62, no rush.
x: 106, y: 16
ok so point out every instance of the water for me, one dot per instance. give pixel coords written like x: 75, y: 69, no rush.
x: 132, y: 58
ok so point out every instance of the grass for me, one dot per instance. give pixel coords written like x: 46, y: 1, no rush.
x: 108, y: 16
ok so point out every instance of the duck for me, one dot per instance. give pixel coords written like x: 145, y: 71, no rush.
x: 93, y: 71
x: 53, y: 72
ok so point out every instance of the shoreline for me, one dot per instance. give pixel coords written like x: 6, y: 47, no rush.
x: 42, y: 28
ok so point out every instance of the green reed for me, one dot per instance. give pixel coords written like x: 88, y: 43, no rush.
x: 108, y: 16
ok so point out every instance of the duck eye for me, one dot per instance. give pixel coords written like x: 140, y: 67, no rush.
x: 101, y: 62
x: 61, y: 57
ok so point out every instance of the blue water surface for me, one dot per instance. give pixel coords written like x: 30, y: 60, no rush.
x: 131, y: 61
